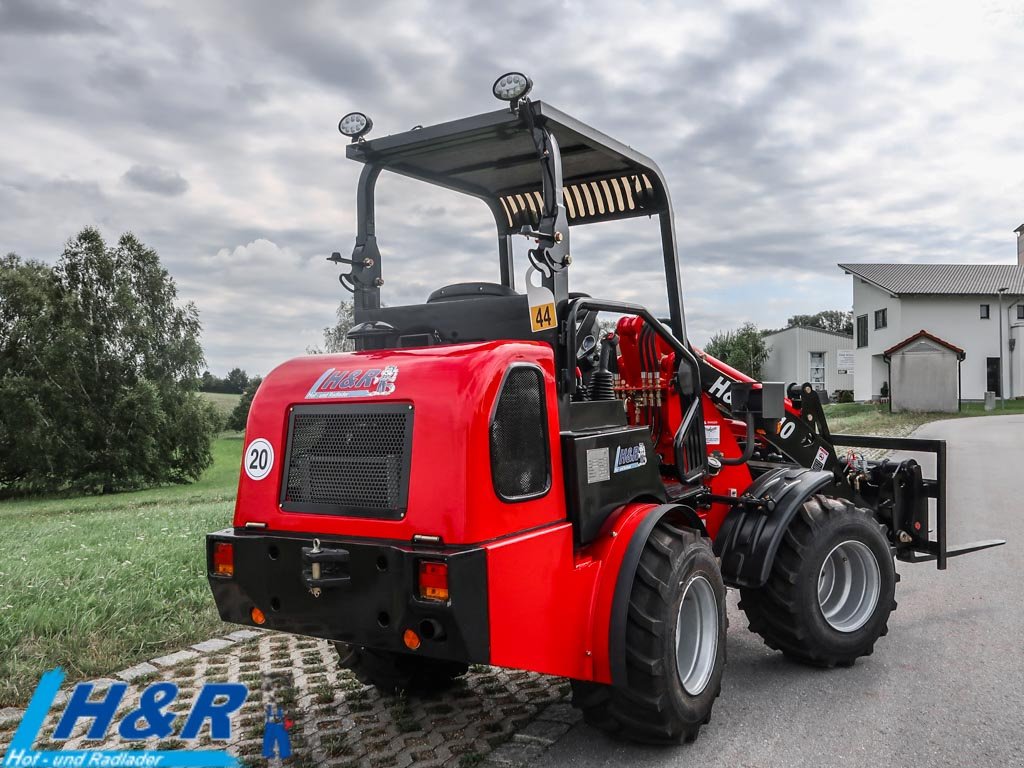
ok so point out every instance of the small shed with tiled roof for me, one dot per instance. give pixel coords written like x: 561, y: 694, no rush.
x: 924, y: 374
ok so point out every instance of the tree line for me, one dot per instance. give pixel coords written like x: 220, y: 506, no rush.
x: 99, y: 372
x: 834, y: 320
x: 235, y: 383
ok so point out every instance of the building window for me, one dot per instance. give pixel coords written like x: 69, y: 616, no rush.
x: 881, y: 318
x: 984, y: 312
x: 817, y: 370
x: 862, y: 331
x: 1020, y: 311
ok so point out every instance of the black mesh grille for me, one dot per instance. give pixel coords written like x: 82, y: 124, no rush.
x: 348, y: 459
x: 519, y: 436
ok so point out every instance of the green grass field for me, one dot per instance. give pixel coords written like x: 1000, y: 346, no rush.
x: 224, y: 402
x: 97, y: 583
x: 873, y: 419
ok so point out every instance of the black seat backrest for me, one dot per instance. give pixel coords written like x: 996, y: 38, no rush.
x: 453, y: 320
x: 458, y: 291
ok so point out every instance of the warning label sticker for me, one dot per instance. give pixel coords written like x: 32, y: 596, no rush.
x: 712, y: 433
x: 819, y: 459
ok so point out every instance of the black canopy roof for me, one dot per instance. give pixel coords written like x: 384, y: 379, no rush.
x: 492, y: 156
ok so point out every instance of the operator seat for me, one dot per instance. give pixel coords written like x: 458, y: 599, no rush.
x: 461, y: 291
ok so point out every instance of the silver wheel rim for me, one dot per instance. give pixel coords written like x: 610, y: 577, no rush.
x: 697, y: 635
x: 849, y: 585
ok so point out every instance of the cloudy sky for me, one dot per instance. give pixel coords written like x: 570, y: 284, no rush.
x: 793, y: 136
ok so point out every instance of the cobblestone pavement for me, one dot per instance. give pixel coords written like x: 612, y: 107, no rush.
x: 491, y: 716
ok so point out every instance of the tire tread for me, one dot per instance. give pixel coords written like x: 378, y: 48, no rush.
x: 773, y: 611
x: 641, y: 712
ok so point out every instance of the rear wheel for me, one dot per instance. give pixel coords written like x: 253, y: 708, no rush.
x: 675, y: 645
x: 831, y: 588
x: 393, y: 672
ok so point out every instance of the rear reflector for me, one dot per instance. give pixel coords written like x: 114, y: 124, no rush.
x: 434, y: 581
x: 257, y: 616
x: 411, y: 640
x: 223, y: 558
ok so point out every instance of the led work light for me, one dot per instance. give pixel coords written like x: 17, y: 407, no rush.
x: 355, y: 125
x: 512, y: 86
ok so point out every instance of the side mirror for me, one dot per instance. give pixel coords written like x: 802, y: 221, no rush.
x: 686, y: 382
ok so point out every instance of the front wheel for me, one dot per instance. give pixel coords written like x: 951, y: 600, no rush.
x: 831, y: 588
x: 675, y: 645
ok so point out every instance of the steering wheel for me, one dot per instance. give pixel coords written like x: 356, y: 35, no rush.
x: 586, y: 333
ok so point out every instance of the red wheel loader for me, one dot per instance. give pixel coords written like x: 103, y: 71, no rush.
x: 488, y: 479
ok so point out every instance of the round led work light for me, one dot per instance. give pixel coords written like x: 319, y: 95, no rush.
x: 512, y: 86
x: 355, y: 125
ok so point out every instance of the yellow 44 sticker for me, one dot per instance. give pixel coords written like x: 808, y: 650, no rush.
x: 542, y: 302
x: 542, y: 317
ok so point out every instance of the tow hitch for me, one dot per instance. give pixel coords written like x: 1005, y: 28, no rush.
x: 327, y: 568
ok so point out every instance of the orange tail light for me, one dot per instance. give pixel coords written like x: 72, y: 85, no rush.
x: 434, y: 581
x: 224, y: 558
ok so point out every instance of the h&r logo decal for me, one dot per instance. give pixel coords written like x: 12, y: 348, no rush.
x: 215, y: 703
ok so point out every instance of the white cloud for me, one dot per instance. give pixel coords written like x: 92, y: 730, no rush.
x: 261, y: 303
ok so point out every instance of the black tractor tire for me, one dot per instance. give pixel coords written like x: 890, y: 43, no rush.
x: 392, y: 672
x: 787, y: 611
x: 654, y: 707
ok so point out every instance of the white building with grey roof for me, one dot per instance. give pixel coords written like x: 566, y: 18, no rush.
x: 976, y: 307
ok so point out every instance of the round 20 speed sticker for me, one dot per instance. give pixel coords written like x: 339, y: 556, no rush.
x: 258, y: 459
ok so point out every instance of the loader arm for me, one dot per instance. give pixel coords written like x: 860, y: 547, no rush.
x: 802, y: 435
x: 896, y: 491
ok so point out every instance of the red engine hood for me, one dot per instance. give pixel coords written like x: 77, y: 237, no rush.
x: 453, y: 391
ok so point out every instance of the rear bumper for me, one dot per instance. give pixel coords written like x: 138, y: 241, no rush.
x: 368, y: 593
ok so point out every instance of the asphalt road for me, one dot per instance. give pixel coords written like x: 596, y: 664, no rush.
x: 944, y: 688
